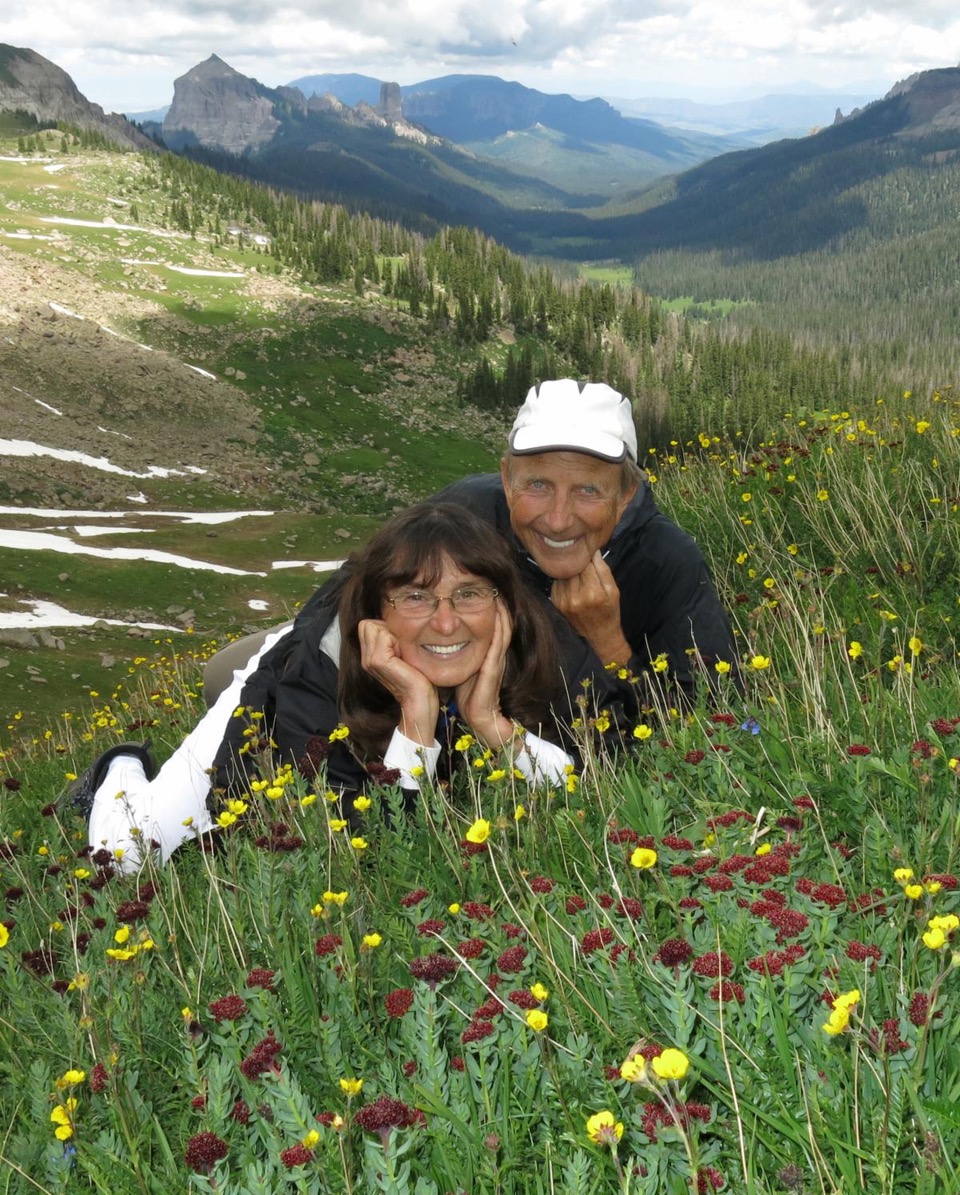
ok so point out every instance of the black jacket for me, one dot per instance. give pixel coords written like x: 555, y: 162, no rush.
x: 668, y: 603
x: 295, y: 688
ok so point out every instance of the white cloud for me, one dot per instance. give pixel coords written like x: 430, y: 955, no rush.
x: 126, y: 56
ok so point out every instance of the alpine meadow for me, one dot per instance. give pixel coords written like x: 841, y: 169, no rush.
x: 724, y: 954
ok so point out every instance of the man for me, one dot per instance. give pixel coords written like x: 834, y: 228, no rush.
x: 575, y: 503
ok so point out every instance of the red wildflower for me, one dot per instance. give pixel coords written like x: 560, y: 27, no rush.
x: 228, y: 1008
x: 541, y: 885
x: 859, y: 952
x: 414, y: 898
x: 203, y: 1150
x: 476, y: 1031
x: 512, y: 959
x: 829, y: 894
x: 523, y: 998
x: 458, y: 1064
x: 730, y: 818
x: 98, y: 1077
x: 260, y: 977
x: 718, y: 883
x: 433, y: 968
x: 198, y: 1101
x: 431, y: 928
x: 132, y: 910
x: 398, y: 1002
x: 296, y: 1155
x: 489, y: 1008
x: 695, y: 757
x: 715, y: 964
x: 690, y: 902
x: 477, y: 911
x: 630, y: 907
x: 327, y: 944
x: 946, y: 881
x: 513, y: 931
x: 240, y: 1112
x: 624, y: 834
x: 673, y: 952
x: 727, y: 989
x: 919, y: 1011
x: 734, y: 864
x: 709, y: 1179
x: 262, y: 1057
x: 858, y: 749
x: 681, y: 870
x: 595, y: 938
x: 575, y: 904
x: 675, y: 843
x: 386, y: 1113
x: 472, y: 948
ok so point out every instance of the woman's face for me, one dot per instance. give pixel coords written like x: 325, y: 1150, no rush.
x: 449, y: 646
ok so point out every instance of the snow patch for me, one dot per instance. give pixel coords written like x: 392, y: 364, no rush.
x: 28, y: 448
x: 40, y: 541
x: 49, y: 614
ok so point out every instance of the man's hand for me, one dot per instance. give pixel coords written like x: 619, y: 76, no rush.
x: 590, y: 602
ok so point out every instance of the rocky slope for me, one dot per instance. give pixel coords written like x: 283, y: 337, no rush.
x: 31, y: 83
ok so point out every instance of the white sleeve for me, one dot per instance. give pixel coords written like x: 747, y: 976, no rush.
x: 405, y: 755
x: 541, y: 762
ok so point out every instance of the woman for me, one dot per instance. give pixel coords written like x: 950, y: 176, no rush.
x: 427, y: 633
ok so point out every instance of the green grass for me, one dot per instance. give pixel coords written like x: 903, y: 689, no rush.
x: 707, y: 890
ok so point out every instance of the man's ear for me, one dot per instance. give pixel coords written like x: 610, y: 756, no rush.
x: 625, y: 501
x: 505, y: 476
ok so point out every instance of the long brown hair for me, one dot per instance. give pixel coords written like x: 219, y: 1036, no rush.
x: 412, y: 547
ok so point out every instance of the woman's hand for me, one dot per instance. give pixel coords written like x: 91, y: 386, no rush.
x: 417, y: 697
x: 478, y: 697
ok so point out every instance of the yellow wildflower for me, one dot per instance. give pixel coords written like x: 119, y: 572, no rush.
x: 338, y: 733
x: 539, y: 992
x: 855, y: 650
x: 537, y: 1019
x: 362, y: 804
x: 643, y: 732
x: 372, y: 941
x: 604, y: 1129
x: 643, y: 857
x: 351, y: 1086
x: 671, y: 1064
x: 634, y: 1069
x: 479, y: 832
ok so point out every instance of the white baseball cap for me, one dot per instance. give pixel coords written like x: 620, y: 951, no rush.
x: 571, y: 416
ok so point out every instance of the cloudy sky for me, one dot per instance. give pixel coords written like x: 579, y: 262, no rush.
x: 125, y: 54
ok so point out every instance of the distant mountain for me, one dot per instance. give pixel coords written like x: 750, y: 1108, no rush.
x: 349, y: 89
x: 761, y: 120
x: 366, y: 156
x: 477, y: 111
x: 795, y: 196
x: 31, y: 83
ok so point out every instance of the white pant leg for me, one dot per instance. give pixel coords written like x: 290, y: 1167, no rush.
x: 159, y: 807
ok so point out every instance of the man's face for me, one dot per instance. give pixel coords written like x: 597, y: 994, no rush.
x: 563, y: 507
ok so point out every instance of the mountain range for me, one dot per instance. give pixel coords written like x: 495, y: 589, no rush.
x: 559, y: 176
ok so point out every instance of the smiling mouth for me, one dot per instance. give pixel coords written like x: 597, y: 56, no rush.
x: 558, y: 543
x: 443, y: 649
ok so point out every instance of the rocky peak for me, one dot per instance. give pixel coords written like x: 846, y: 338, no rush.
x: 33, y: 84
x: 214, y: 105
x: 391, y: 104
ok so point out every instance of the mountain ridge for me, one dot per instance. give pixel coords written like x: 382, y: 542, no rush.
x: 31, y: 83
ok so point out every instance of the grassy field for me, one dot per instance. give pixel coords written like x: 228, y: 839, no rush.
x: 722, y: 959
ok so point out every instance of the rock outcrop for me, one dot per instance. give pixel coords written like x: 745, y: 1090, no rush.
x: 31, y: 83
x: 215, y: 106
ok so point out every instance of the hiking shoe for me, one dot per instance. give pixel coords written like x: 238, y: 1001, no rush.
x: 79, y: 793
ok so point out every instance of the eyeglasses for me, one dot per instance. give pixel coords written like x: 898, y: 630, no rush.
x: 468, y: 599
